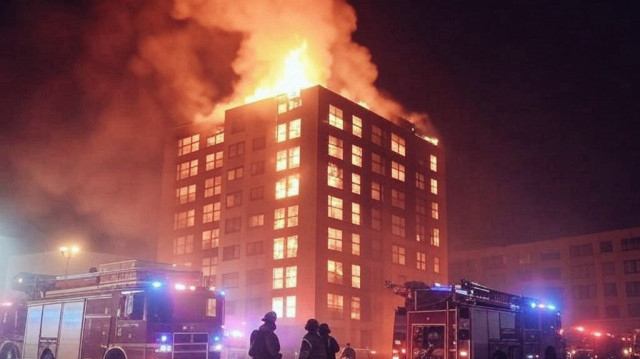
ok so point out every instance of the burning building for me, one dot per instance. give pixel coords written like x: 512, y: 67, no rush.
x: 305, y: 204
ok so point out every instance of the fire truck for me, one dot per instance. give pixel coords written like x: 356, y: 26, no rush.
x: 471, y: 321
x: 123, y: 310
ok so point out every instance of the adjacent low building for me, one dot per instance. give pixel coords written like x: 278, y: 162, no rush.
x: 594, y: 279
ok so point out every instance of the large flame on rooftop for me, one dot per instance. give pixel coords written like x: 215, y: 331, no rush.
x: 296, y: 73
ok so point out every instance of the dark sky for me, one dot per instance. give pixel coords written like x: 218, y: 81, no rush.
x: 535, y: 102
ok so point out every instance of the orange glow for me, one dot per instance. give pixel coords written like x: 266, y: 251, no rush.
x: 296, y: 72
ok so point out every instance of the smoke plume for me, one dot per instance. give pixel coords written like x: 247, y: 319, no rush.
x: 92, y: 87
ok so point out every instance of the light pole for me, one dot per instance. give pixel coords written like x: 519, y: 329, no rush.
x: 68, y: 252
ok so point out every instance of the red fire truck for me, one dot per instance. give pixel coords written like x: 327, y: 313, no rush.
x: 471, y: 321
x: 123, y: 310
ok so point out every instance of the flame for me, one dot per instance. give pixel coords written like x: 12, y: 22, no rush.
x: 295, y: 74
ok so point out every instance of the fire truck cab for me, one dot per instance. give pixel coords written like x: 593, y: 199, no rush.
x: 123, y: 310
x: 470, y: 321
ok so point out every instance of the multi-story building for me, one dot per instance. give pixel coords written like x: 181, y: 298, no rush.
x: 594, y: 279
x: 306, y: 204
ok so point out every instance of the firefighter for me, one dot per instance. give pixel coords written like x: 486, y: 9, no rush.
x: 312, y: 345
x: 264, y: 341
x: 330, y: 342
x: 348, y: 352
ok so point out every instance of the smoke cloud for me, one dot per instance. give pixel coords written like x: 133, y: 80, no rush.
x: 92, y: 87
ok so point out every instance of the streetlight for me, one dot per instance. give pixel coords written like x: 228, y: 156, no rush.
x: 68, y: 252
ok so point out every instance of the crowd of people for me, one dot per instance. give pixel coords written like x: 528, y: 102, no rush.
x: 317, y: 343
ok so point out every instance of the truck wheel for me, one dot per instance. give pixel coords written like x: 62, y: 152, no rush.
x: 47, y: 355
x: 10, y: 352
x: 115, y: 354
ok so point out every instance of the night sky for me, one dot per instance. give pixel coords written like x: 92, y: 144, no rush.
x: 535, y: 102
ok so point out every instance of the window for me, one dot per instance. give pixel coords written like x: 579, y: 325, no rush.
x: 633, y: 288
x: 234, y: 199
x: 355, y: 183
x: 231, y: 252
x: 235, y: 173
x: 356, y: 155
x: 187, y: 169
x: 356, y: 126
x: 355, y: 308
x: 188, y: 144
x: 257, y: 168
x: 397, y: 198
x: 212, y: 186
x: 255, y: 248
x: 335, y: 302
x: 236, y: 149
x: 631, y: 266
x: 376, y: 220
x: 209, y: 266
x: 211, y: 238
x: 256, y: 193
x: 216, y: 138
x: 231, y: 280
x: 421, y: 261
x: 183, y: 245
x: 420, y: 181
x: 285, y: 217
x: 256, y: 220
x: 376, y: 191
x: 288, y: 130
x: 334, y: 209
x: 287, y: 159
x: 398, y: 144
x: 288, y: 102
x: 433, y: 163
x: 335, y: 117
x: 434, y: 210
x: 211, y: 212
x: 335, y: 147
x: 436, y: 265
x: 355, y: 213
x: 421, y: 231
x: 334, y: 176
x: 214, y: 160
x: 397, y: 254
x: 355, y: 244
x: 232, y: 225
x: 289, y: 306
x: 186, y: 194
x: 376, y: 135
x: 184, y: 219
x: 355, y: 276
x: 377, y: 164
x: 550, y: 256
x: 285, y: 248
x: 606, y: 246
x: 285, y: 277
x: 581, y: 250
x: 630, y: 244
x: 434, y: 186
x: 397, y: 171
x: 258, y: 143
x: 435, y: 237
x: 334, y: 239
x: 334, y: 272
x: 397, y: 225
x: 288, y: 186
